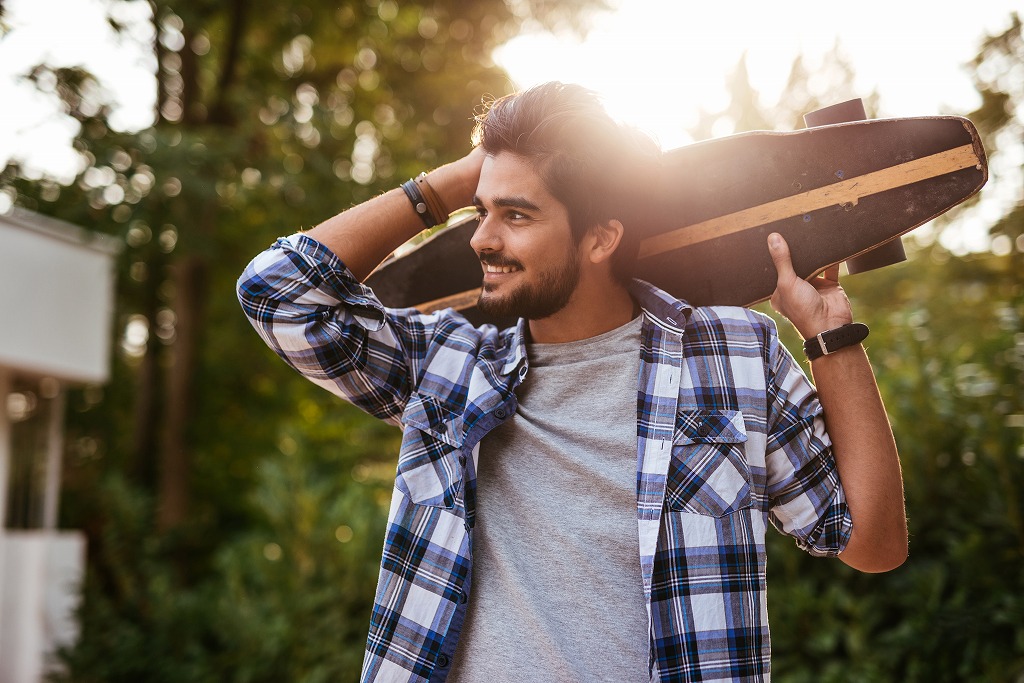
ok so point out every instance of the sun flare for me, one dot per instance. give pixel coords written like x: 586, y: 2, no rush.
x: 657, y: 63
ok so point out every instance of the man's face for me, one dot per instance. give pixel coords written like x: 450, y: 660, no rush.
x: 531, y: 265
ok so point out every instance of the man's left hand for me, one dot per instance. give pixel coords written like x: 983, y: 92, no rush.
x: 814, y: 305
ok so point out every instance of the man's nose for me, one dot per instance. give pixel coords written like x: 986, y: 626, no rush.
x: 485, y: 237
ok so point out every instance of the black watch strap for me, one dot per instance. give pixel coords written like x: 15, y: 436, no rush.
x: 833, y: 340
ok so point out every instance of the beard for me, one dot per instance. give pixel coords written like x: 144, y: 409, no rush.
x: 533, y: 300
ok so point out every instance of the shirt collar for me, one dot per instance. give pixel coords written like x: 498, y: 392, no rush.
x: 662, y: 306
x: 517, y: 347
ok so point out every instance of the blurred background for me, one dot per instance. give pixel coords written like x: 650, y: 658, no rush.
x: 214, y: 517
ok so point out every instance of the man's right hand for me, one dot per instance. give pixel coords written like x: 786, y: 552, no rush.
x: 456, y: 182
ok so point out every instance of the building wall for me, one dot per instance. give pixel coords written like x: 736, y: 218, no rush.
x: 56, y: 321
x: 56, y: 298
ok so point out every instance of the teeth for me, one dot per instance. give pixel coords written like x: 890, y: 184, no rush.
x: 498, y: 269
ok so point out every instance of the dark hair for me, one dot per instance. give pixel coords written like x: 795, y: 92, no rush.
x: 592, y: 164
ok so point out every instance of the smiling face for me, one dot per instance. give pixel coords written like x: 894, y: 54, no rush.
x: 531, y: 264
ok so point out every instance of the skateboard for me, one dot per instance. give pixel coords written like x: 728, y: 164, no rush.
x: 835, y: 192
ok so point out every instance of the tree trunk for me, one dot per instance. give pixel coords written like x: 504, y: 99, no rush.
x: 190, y: 286
x: 146, y: 416
x: 220, y: 110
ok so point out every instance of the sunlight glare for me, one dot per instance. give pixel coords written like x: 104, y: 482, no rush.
x: 657, y: 63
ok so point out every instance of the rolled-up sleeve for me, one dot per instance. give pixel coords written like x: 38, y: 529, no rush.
x: 310, y: 310
x: 805, y: 494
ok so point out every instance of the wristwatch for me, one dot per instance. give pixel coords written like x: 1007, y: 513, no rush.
x: 831, y: 341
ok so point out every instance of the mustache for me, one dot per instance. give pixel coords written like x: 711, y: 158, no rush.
x: 499, y: 261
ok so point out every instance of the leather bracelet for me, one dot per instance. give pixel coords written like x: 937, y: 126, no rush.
x: 419, y: 203
x: 433, y: 199
x: 831, y: 341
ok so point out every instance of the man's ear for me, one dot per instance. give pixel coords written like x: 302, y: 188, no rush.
x: 602, y: 240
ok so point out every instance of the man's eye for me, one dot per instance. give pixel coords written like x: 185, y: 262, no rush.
x: 516, y: 216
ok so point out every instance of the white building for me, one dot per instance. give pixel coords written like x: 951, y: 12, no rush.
x: 56, y: 306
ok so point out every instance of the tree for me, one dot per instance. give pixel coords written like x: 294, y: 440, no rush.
x: 807, y: 89
x: 269, y: 116
x: 997, y: 71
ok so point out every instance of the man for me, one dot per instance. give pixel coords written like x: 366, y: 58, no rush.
x: 582, y: 496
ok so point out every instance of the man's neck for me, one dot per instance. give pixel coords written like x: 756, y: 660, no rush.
x: 591, y: 311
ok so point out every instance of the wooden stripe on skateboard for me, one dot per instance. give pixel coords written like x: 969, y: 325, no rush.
x: 458, y: 301
x: 847, y: 192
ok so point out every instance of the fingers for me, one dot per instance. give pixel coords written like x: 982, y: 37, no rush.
x: 779, y: 251
x: 781, y: 256
x: 826, y: 278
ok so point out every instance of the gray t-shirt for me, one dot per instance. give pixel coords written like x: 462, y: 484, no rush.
x: 557, y: 592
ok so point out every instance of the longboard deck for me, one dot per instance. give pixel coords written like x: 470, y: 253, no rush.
x: 833, y: 192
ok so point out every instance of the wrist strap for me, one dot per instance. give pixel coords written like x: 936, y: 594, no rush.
x: 433, y: 199
x: 832, y: 340
x: 425, y: 201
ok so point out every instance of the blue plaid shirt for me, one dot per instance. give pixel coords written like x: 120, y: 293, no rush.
x: 729, y: 438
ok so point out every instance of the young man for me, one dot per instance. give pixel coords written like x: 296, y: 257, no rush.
x: 583, y: 496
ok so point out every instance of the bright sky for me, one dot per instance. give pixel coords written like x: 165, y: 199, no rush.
x: 655, y: 61
x: 69, y: 33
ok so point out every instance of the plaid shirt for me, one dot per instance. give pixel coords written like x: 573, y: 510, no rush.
x: 729, y: 438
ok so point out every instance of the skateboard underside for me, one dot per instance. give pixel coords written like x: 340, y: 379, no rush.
x: 833, y: 192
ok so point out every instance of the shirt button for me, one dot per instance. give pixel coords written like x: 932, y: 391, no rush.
x: 463, y: 597
x: 500, y: 413
x: 462, y: 459
x: 442, y: 661
x: 704, y: 429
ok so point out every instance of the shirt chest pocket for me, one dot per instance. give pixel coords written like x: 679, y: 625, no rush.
x: 708, y: 473
x: 431, y: 461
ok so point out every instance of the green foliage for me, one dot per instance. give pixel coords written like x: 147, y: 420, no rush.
x: 947, y: 343
x: 138, y: 625
x: 287, y: 599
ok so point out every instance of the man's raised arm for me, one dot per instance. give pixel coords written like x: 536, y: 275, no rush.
x: 855, y: 418
x: 364, y: 235
x: 318, y: 317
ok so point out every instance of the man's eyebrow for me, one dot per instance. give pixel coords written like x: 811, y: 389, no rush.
x: 513, y: 202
